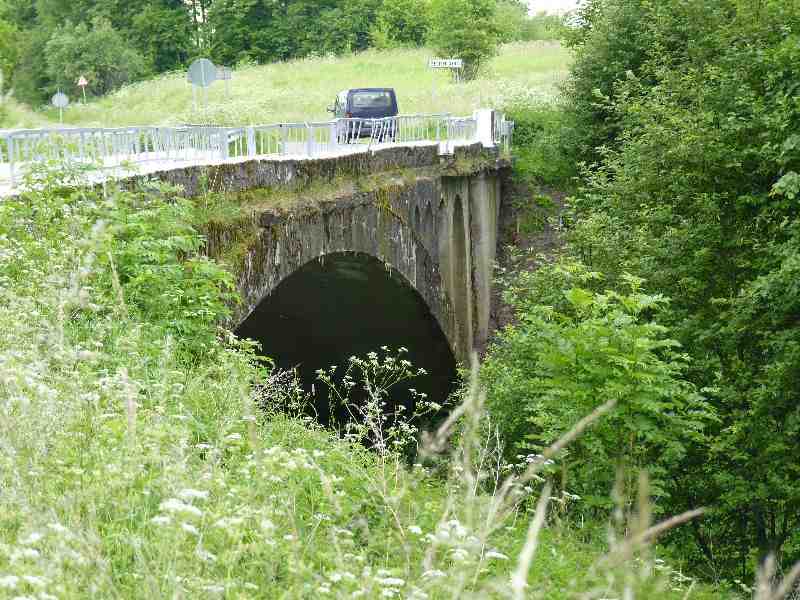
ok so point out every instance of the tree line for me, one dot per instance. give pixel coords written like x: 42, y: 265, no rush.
x: 49, y: 44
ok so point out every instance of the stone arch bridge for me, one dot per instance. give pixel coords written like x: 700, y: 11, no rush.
x: 431, y: 221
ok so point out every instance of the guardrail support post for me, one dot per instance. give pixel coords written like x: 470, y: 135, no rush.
x: 251, y: 141
x: 223, y: 143
x: 484, y: 119
x: 309, y: 140
x: 10, y: 144
x: 334, y: 138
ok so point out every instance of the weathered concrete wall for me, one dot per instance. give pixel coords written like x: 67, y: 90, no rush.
x: 436, y: 225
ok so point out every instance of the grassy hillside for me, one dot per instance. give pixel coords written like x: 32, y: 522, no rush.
x: 16, y: 115
x: 302, y: 89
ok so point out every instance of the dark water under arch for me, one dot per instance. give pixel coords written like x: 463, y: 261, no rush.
x: 349, y: 304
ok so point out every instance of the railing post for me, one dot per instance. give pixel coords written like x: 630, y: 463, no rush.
x: 10, y: 144
x: 309, y: 140
x: 484, y: 121
x: 251, y: 141
x: 284, y: 140
x: 334, y: 137
x: 222, y: 141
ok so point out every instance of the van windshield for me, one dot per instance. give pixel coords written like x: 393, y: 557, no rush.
x: 372, y: 100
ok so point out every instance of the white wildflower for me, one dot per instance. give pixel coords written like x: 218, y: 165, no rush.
x: 58, y: 528
x: 32, y: 538
x: 389, y: 593
x: 459, y: 554
x: 205, y: 555
x: 190, y: 528
x: 34, y: 581
x: 178, y: 506
x: 497, y: 555
x: 335, y: 577
x: 8, y: 582
x: 229, y: 522
x: 434, y: 573
x: 267, y: 525
x: 190, y: 494
x: 392, y: 581
x: 161, y: 520
x: 416, y: 530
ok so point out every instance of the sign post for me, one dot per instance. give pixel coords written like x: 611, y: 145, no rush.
x: 225, y: 74
x: 60, y: 101
x: 454, y: 64
x: 82, y: 83
x: 202, y: 73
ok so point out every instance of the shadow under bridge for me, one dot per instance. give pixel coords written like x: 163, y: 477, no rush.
x: 347, y: 304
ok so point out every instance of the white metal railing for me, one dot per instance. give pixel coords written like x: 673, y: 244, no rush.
x: 112, y: 147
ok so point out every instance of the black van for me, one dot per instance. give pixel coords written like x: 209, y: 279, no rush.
x: 362, y: 105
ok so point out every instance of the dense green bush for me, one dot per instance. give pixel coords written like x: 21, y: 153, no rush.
x: 99, y: 53
x: 9, y: 53
x: 401, y: 23
x: 574, y: 349
x: 696, y: 192
x: 465, y: 29
x: 541, y: 147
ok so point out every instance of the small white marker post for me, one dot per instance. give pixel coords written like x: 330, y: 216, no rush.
x: 82, y: 83
x: 60, y: 101
x: 452, y: 64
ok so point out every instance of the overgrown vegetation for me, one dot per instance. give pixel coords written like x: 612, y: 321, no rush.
x: 681, y: 118
x: 136, y: 460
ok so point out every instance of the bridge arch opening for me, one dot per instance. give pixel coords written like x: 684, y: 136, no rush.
x: 346, y: 304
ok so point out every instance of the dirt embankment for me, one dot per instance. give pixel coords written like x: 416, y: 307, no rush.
x: 529, y: 234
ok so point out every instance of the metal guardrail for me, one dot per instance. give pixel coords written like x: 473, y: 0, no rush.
x: 113, y: 147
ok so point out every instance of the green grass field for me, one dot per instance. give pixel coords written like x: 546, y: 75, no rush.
x: 301, y: 90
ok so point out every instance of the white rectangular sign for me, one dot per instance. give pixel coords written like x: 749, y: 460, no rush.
x: 446, y: 63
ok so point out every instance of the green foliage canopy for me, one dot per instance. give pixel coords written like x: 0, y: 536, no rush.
x: 574, y: 349
x: 99, y: 53
x: 688, y: 112
x: 465, y: 29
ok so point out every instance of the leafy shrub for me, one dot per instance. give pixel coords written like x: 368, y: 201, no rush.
x: 99, y: 53
x: 10, y: 40
x: 571, y: 351
x: 541, y: 153
x: 695, y: 192
x: 401, y: 23
x: 156, y: 253
x: 543, y: 26
x: 465, y: 29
